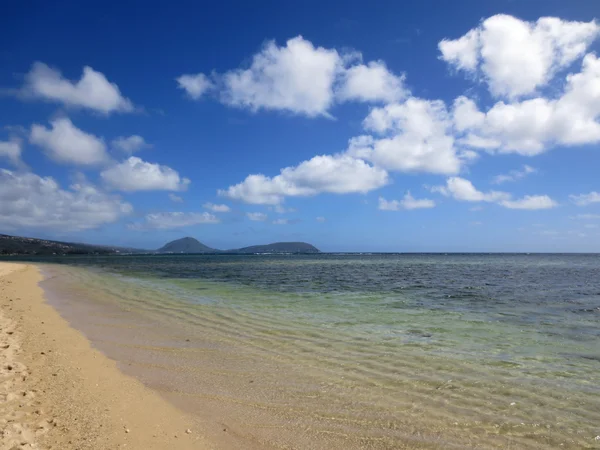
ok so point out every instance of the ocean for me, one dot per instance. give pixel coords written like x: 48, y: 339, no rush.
x: 354, y: 351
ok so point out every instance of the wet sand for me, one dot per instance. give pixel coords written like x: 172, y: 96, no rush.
x: 58, y: 392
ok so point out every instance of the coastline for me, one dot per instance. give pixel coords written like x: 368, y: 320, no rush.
x: 59, y: 392
x: 102, y: 353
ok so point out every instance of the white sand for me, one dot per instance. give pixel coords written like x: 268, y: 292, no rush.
x: 56, y: 391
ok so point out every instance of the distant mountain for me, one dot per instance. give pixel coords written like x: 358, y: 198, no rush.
x: 279, y: 247
x: 17, y: 245
x: 186, y: 245
x: 191, y: 245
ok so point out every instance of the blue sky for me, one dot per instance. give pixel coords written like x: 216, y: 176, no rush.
x: 437, y: 126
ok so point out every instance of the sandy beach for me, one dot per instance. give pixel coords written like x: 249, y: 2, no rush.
x: 58, y: 392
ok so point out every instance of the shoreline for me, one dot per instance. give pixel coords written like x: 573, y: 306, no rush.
x: 97, y: 354
x: 60, y: 392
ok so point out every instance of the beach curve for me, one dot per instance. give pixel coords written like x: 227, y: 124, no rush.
x: 59, y: 392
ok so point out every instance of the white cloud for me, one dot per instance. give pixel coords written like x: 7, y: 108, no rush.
x: 175, y: 198
x: 478, y: 142
x: 216, y: 208
x: 411, y: 134
x: 418, y: 138
x: 321, y: 219
x: 11, y: 150
x: 297, y: 78
x: 515, y: 57
x: 338, y: 174
x: 93, y: 91
x: 168, y: 220
x: 533, y: 126
x: 195, y: 85
x: 585, y: 199
x: 134, y: 174
x: 514, y: 175
x: 130, y: 144
x: 466, y: 114
x: 257, y: 216
x: 462, y: 53
x: 30, y: 201
x: 372, y: 82
x: 463, y: 190
x: 388, y: 205
x: 300, y: 78
x: 65, y: 143
x: 281, y: 222
x: 530, y: 202
x: 408, y: 202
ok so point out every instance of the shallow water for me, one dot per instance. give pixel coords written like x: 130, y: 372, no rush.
x: 341, y: 351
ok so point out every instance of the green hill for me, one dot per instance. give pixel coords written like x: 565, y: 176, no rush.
x: 279, y: 247
x: 17, y: 245
x: 186, y: 245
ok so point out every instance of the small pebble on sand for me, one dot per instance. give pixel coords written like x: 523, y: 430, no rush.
x: 188, y: 431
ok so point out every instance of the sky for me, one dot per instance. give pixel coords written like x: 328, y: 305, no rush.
x: 425, y: 126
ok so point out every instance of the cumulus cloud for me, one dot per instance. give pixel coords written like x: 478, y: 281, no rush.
x: 463, y: 190
x: 30, y: 201
x: 92, y: 91
x: 130, y: 144
x: 414, y: 136
x: 532, y: 126
x: 168, y: 220
x: 257, y: 216
x: 388, y: 205
x: 300, y: 78
x: 514, y: 175
x: 462, y: 53
x: 67, y: 144
x: 216, y: 208
x: 11, y: 151
x: 411, y: 134
x: 337, y: 174
x: 281, y: 222
x: 530, y: 202
x: 408, y: 202
x: 175, y: 198
x: 297, y: 78
x: 135, y: 174
x: 585, y: 199
x: 515, y: 57
x: 194, y: 85
x: 371, y: 82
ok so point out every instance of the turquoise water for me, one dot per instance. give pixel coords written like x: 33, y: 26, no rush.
x: 365, y: 351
